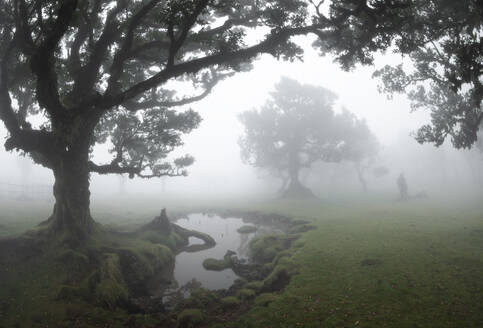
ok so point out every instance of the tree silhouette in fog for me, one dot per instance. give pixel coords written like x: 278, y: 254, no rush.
x: 101, y: 72
x: 298, y: 127
x: 360, y: 145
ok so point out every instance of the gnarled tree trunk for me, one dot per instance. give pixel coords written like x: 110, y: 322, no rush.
x: 72, y: 199
x: 71, y: 218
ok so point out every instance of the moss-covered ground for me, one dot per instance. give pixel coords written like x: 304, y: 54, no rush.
x: 372, y: 263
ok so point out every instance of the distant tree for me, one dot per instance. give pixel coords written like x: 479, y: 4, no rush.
x: 100, y: 71
x: 402, y: 186
x: 298, y: 127
x: 360, y: 146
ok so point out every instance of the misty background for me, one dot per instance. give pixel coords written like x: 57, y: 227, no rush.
x: 219, y: 172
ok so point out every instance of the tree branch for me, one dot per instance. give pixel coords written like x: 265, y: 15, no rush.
x: 43, y: 61
x: 153, y: 102
x: 132, y: 171
x: 123, y: 52
x: 190, y: 40
x: 87, y: 77
x: 26, y: 139
x: 195, y: 65
x: 177, y: 42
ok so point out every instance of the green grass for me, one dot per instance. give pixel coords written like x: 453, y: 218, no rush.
x: 425, y: 265
x: 429, y: 271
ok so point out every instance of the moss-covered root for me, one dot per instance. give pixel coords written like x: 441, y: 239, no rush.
x: 190, y: 318
x: 265, y: 248
x: 139, y: 264
x: 219, y: 265
x: 247, y: 229
x: 111, y: 290
x: 161, y: 231
x: 209, y: 242
x: 230, y: 302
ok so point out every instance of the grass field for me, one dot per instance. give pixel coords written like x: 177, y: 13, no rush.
x: 370, y: 263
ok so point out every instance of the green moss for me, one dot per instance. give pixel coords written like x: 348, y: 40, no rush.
x: 245, y: 294
x: 280, y: 276
x: 230, y: 302
x: 216, y: 265
x: 265, y: 248
x: 172, y: 240
x: 72, y: 258
x: 141, y: 262
x: 190, y: 318
x: 265, y: 299
x: 247, y: 229
x: 111, y: 289
x: 254, y: 285
x: 61, y: 283
x: 66, y: 293
x: 299, y: 222
x: 201, y: 298
x: 301, y: 228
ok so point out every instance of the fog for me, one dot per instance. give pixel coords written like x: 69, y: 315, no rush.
x: 219, y: 171
x: 183, y: 163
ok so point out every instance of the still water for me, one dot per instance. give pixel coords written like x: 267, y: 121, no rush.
x: 189, y: 266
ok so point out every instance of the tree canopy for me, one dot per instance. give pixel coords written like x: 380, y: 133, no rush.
x: 443, y: 40
x: 297, y: 127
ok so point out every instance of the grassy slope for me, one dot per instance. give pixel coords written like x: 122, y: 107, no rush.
x: 431, y: 273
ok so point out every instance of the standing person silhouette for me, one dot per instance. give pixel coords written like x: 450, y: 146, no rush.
x: 402, y: 186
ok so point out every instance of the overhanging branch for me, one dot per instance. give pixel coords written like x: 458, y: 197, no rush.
x: 133, y: 171
x: 194, y: 66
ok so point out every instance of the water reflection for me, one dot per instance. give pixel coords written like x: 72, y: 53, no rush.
x: 189, y: 266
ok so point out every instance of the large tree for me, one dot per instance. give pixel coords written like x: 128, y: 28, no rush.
x: 298, y: 127
x: 101, y: 71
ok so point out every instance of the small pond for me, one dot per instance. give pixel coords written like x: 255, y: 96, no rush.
x: 189, y: 266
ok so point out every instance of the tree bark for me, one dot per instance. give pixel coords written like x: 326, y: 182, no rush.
x: 71, y: 218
